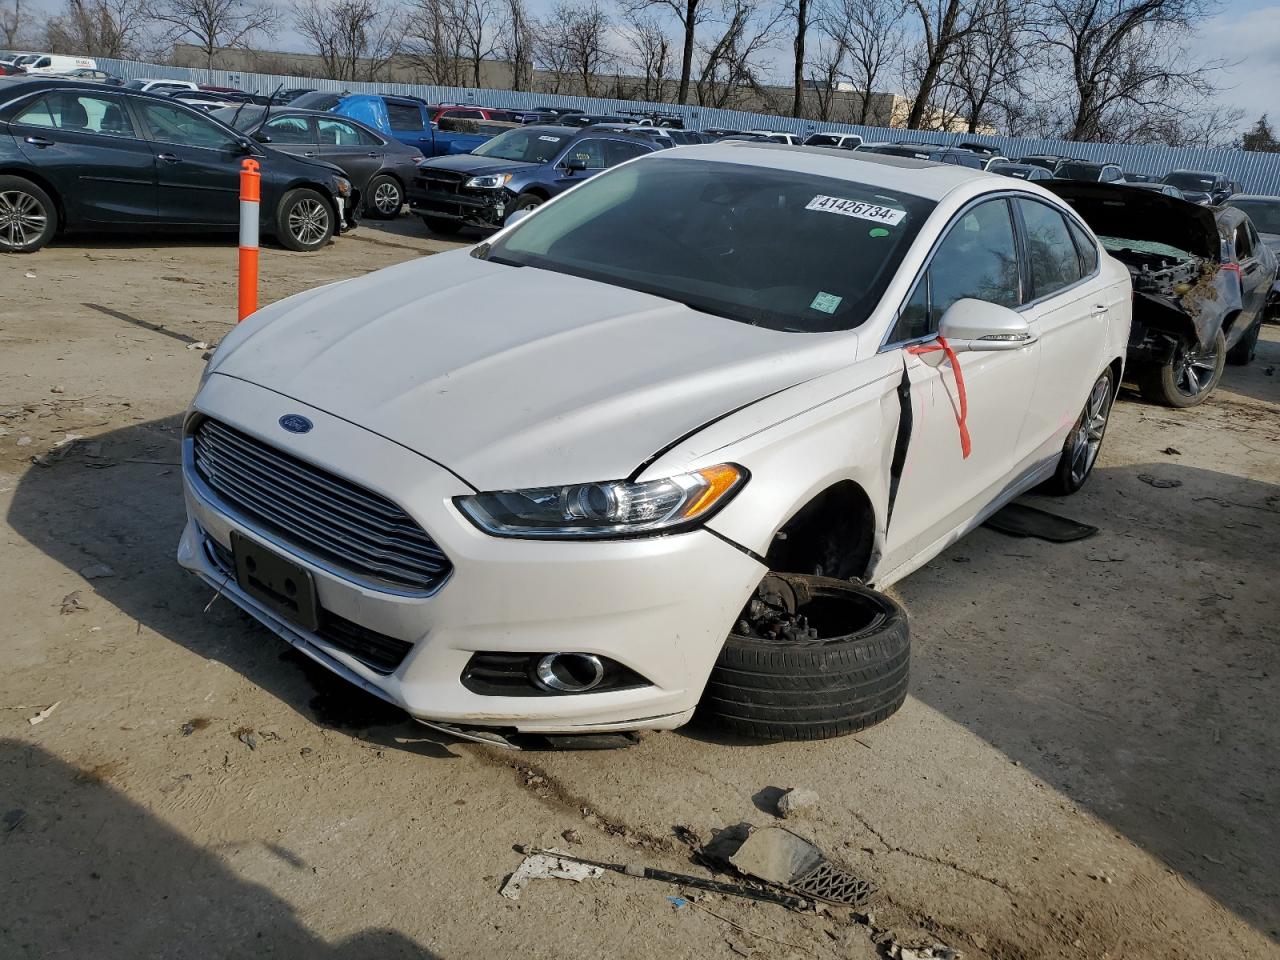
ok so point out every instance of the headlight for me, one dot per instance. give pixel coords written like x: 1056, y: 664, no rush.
x: 342, y: 186
x: 597, y: 511
x: 490, y: 181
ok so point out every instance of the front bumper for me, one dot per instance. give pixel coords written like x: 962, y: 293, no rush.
x: 479, y: 209
x: 659, y: 606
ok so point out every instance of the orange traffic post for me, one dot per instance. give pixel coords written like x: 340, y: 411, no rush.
x: 250, y: 181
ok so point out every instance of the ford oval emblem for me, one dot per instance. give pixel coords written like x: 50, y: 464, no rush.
x: 296, y: 423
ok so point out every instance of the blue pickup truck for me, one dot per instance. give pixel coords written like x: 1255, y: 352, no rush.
x: 406, y: 119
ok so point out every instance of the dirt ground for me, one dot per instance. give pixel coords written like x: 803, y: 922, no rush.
x: 1086, y: 766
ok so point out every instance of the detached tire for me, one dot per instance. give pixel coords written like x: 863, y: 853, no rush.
x: 28, y: 217
x: 814, y: 690
x: 304, y: 220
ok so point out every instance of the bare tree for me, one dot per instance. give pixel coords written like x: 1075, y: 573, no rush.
x: 433, y: 42
x: 943, y: 24
x: 517, y: 39
x: 732, y: 65
x: 213, y: 24
x: 824, y: 77
x: 14, y: 21
x: 869, y: 31
x: 650, y: 54
x: 580, y: 29
x: 989, y: 62
x: 476, y: 20
x: 98, y: 28
x: 355, y: 39
x: 1128, y: 74
x: 799, y: 11
x: 689, y: 14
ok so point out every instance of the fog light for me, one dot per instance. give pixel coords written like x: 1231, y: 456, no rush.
x: 569, y: 672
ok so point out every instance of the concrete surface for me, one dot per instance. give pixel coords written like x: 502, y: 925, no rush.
x: 1086, y: 766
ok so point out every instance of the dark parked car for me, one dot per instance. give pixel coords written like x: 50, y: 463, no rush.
x: 1089, y: 171
x: 927, y: 151
x: 1200, y: 283
x: 97, y: 76
x: 518, y: 170
x: 1164, y: 188
x: 1265, y: 213
x: 1023, y: 171
x: 1050, y: 161
x: 589, y: 119
x: 79, y: 155
x: 683, y: 138
x: 840, y: 141
x: 379, y: 167
x: 290, y: 94
x: 1201, y: 186
x: 1132, y: 177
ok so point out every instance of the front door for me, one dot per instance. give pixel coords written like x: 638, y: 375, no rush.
x: 197, y: 165
x: 87, y: 145
x: 940, y: 489
x: 293, y: 134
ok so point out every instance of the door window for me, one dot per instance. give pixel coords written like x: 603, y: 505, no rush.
x: 592, y: 152
x: 616, y: 151
x: 289, y: 130
x: 79, y: 112
x: 977, y: 258
x: 1244, y: 246
x: 464, y: 114
x: 404, y: 116
x: 1087, y: 249
x: 1054, y: 261
x: 171, y: 124
x: 339, y: 133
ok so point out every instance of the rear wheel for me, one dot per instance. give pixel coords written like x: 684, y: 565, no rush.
x: 442, y: 226
x: 304, y: 220
x: 1242, y: 353
x: 28, y: 217
x: 785, y: 684
x: 1084, y: 441
x: 385, y: 198
x: 1189, y: 376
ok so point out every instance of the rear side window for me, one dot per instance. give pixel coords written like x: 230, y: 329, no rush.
x: 78, y: 112
x: 1087, y: 249
x: 591, y: 152
x: 339, y: 133
x: 404, y: 116
x: 1244, y: 245
x: 1052, y: 254
x: 616, y: 151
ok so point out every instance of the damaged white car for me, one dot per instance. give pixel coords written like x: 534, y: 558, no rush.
x: 538, y: 486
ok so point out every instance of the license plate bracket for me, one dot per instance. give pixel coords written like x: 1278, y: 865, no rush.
x: 276, y: 582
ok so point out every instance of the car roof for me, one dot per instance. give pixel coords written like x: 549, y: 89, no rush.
x: 1264, y: 197
x: 921, y: 178
x: 21, y: 86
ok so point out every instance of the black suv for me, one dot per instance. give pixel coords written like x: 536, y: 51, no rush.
x: 82, y: 155
x: 1202, y: 186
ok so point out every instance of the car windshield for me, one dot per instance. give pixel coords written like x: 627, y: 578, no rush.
x: 1079, y: 171
x: 777, y: 248
x: 242, y: 118
x: 1190, y: 181
x: 525, y: 146
x: 1265, y: 214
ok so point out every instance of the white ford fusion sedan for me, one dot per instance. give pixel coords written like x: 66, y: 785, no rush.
x: 530, y: 487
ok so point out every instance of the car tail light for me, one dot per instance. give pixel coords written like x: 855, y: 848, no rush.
x: 1233, y: 267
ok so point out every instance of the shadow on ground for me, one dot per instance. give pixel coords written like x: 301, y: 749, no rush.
x: 1148, y: 698
x: 89, y: 874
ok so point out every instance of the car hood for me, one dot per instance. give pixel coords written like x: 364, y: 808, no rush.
x: 515, y: 376
x: 1120, y: 211
x: 470, y: 163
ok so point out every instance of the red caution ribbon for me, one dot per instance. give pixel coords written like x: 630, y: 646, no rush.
x: 966, y: 445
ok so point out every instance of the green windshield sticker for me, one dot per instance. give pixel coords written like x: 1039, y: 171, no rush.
x: 826, y: 302
x: 879, y: 232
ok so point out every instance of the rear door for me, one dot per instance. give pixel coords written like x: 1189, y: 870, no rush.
x: 1255, y: 280
x: 197, y: 164
x: 89, y: 147
x: 356, y: 151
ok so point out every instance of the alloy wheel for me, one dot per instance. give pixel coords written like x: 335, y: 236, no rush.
x: 22, y: 219
x: 1093, y: 424
x: 387, y: 198
x: 309, y: 221
x: 1193, y: 370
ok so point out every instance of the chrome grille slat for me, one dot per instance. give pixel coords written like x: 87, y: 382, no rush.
x: 344, y: 517
x: 357, y: 531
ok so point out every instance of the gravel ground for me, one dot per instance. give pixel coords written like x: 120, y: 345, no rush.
x: 1086, y: 766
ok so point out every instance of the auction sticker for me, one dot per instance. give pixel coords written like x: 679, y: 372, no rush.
x: 856, y: 208
x: 550, y: 139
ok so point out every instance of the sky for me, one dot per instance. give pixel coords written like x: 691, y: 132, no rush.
x: 1245, y: 35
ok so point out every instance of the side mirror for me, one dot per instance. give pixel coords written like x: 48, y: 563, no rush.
x: 262, y: 137
x: 244, y: 146
x: 978, y: 325
x: 574, y: 165
x: 515, y: 216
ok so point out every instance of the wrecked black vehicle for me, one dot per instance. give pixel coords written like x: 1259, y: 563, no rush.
x: 1200, y: 282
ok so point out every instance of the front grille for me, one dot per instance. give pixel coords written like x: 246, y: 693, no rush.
x: 375, y: 650
x: 440, y: 180
x: 324, y: 516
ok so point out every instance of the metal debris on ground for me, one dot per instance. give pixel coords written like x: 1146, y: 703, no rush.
x: 1160, y: 483
x: 72, y: 603
x: 97, y: 571
x: 937, y: 952
x: 782, y: 858
x: 1172, y: 451
x: 248, y: 739
x: 44, y: 714
x: 797, y: 802
x: 198, y: 345
x: 548, y: 865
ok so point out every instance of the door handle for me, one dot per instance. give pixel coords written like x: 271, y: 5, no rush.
x: 39, y: 142
x: 170, y: 158
x: 1100, y: 309
x: 373, y: 155
x: 310, y: 153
